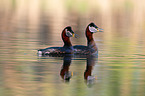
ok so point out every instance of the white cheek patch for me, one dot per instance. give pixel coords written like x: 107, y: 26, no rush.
x: 92, y: 29
x: 68, y: 33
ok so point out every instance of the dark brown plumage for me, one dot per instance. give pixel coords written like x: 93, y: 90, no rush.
x: 58, y: 51
x: 91, y: 47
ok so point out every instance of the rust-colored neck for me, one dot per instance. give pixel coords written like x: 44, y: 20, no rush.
x: 89, y: 36
x: 66, y: 39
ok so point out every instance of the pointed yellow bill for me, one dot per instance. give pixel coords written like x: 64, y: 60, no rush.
x: 73, y: 35
x: 71, y: 73
x: 99, y: 30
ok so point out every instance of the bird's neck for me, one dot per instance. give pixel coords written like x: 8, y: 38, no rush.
x: 67, y: 42
x: 89, y: 36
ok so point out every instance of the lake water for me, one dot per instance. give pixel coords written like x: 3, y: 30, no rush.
x: 118, y: 70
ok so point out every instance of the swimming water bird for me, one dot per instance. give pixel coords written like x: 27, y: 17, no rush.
x: 67, y: 47
x: 91, y: 47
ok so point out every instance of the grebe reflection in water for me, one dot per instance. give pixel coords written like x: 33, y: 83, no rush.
x: 65, y: 73
x: 90, y: 79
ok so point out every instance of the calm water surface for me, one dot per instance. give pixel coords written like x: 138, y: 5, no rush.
x: 118, y: 70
